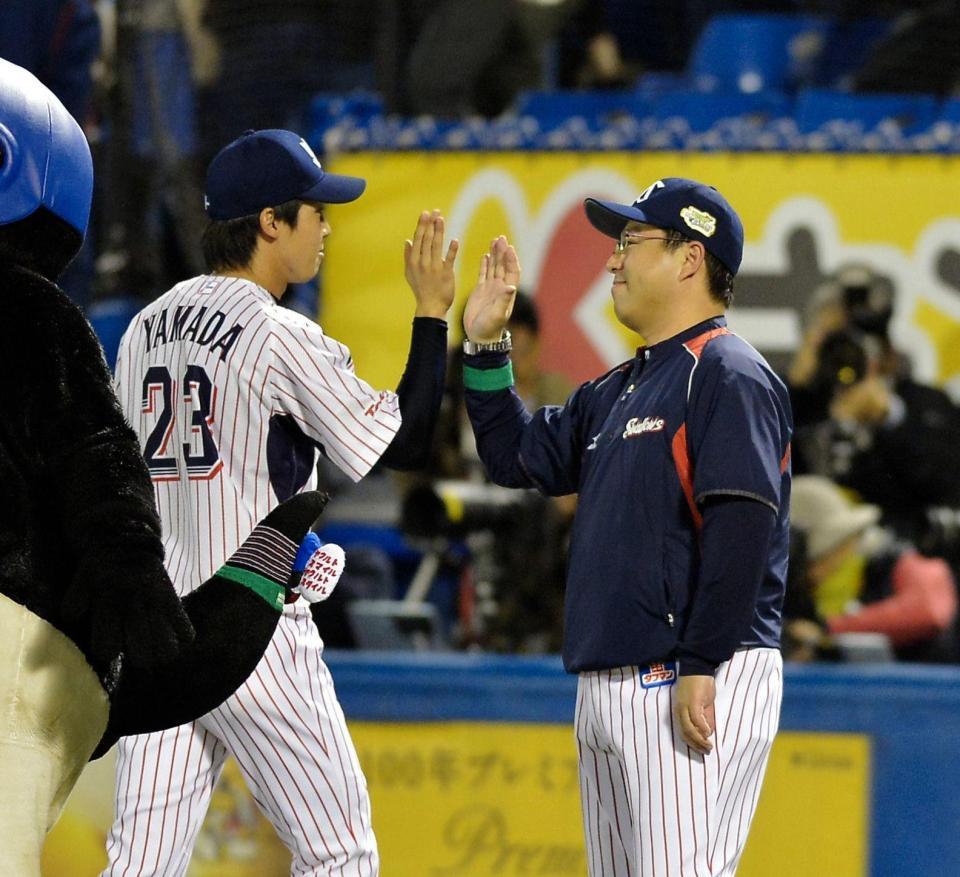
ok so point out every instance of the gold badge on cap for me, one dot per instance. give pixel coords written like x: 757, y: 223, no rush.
x: 699, y: 220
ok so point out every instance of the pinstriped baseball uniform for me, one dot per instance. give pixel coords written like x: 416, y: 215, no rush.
x: 231, y: 396
x: 651, y: 804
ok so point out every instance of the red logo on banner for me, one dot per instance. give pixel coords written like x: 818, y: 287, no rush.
x: 574, y: 260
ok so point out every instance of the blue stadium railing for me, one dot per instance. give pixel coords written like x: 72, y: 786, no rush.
x: 812, y: 120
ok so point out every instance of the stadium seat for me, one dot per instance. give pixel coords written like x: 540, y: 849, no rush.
x: 551, y: 108
x: 653, y: 83
x: 344, y: 112
x: 950, y: 111
x: 661, y: 116
x: 582, y: 119
x: 713, y: 120
x: 702, y: 110
x: 755, y: 53
x: 944, y: 134
x: 862, y: 122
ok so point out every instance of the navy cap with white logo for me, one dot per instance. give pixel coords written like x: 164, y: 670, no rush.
x: 694, y: 209
x: 267, y: 168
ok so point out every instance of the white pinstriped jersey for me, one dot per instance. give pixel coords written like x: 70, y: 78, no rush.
x: 231, y: 395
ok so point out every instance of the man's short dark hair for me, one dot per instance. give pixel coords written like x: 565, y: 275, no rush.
x: 230, y: 243
x: 719, y: 276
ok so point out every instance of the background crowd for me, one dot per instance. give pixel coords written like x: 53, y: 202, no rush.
x: 161, y: 85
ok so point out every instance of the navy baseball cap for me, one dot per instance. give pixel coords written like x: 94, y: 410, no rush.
x: 694, y: 209
x: 266, y: 168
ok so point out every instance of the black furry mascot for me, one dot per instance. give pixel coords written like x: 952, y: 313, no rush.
x: 94, y: 643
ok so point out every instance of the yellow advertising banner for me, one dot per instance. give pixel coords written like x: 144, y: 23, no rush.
x: 464, y: 799
x: 813, y: 816
x: 804, y: 215
x: 474, y: 799
x: 477, y: 800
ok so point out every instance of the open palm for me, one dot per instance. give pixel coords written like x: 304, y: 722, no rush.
x: 429, y: 273
x: 491, y: 302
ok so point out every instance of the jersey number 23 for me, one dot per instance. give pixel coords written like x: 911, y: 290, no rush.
x: 192, y: 419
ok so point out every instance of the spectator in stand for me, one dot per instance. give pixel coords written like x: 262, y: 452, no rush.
x: 154, y: 174
x: 609, y: 43
x: 274, y: 55
x: 856, y: 578
x: 919, y: 53
x: 420, y: 42
x: 58, y: 42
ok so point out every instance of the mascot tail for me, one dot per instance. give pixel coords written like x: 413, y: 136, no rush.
x: 234, y: 614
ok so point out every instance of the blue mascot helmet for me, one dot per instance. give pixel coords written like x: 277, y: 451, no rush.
x: 44, y: 157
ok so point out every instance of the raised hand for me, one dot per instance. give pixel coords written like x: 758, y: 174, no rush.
x: 491, y: 302
x: 428, y: 271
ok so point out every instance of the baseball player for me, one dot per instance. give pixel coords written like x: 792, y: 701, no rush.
x: 232, y: 397
x: 679, y: 547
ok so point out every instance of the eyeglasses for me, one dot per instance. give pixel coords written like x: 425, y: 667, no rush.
x: 629, y: 237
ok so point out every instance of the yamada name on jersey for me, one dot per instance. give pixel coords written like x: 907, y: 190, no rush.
x: 187, y: 325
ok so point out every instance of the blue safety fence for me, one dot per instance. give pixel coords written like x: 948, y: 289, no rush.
x: 911, y: 714
x: 678, y: 117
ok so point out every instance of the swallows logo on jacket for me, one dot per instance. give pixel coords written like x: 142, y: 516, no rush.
x: 637, y: 426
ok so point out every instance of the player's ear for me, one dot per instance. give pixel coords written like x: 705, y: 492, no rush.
x: 694, y: 256
x: 268, y: 222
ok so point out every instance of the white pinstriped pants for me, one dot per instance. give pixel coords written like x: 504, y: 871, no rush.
x: 287, y: 732
x: 653, y: 807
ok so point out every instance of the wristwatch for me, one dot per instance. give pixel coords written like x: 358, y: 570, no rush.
x: 504, y: 345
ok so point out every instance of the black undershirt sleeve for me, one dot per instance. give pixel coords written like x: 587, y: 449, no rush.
x: 735, y: 548
x: 420, y: 394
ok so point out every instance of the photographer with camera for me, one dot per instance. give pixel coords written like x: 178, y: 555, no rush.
x: 507, y: 548
x: 861, y: 419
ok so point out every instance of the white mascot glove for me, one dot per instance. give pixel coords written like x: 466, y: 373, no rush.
x: 317, y: 569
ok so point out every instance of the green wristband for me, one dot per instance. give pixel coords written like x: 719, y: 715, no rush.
x: 488, y: 379
x: 274, y: 594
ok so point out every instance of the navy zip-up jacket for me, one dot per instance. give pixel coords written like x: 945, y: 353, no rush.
x: 682, y: 464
